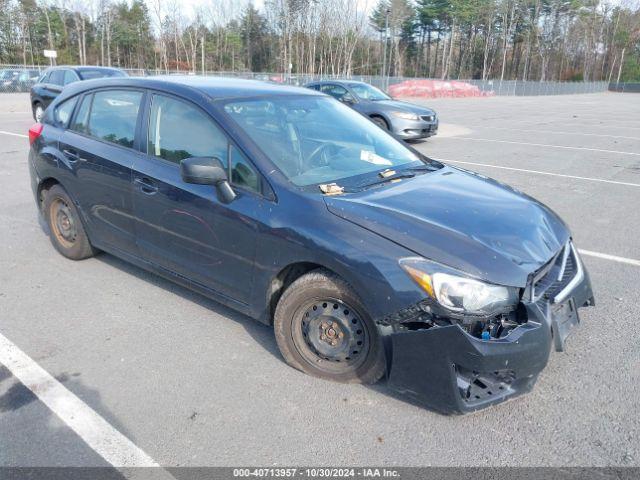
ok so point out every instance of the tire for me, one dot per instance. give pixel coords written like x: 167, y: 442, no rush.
x: 323, y: 329
x: 38, y: 111
x: 66, y: 231
x: 381, y: 122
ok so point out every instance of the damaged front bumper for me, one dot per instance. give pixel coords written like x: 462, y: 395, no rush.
x: 447, y: 369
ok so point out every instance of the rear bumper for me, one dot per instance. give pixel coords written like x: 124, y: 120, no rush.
x: 450, y: 371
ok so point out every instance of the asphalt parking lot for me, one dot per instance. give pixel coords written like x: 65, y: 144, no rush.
x: 190, y: 382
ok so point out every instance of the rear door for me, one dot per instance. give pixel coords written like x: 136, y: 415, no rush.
x: 184, y: 228
x: 100, y: 146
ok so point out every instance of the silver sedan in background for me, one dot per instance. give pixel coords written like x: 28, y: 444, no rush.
x: 405, y: 120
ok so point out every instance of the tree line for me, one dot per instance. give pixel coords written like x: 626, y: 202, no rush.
x: 449, y: 39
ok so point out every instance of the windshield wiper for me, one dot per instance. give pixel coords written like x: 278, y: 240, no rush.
x: 389, y: 178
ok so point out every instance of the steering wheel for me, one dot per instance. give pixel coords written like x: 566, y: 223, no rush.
x: 321, y: 152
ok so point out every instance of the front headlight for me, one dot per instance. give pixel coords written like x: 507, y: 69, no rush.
x: 405, y: 115
x: 458, y: 293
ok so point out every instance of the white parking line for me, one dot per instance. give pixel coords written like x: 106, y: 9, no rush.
x: 538, y: 172
x: 555, y: 132
x: 545, y: 145
x: 107, y: 442
x: 14, y: 134
x: 613, y: 258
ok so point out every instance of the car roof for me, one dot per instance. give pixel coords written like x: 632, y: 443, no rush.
x: 214, y: 87
x: 339, y: 82
x: 82, y: 68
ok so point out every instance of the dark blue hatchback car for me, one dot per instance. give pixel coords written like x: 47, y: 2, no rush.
x: 368, y: 258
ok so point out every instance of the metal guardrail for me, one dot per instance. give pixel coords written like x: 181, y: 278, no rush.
x: 20, y: 78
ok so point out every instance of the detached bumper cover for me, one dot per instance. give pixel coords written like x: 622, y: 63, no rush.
x: 450, y: 371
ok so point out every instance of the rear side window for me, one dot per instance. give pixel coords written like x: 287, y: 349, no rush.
x: 89, y: 74
x: 56, y: 77
x: 81, y: 121
x: 178, y: 130
x: 63, y: 112
x: 113, y: 116
x: 69, y: 77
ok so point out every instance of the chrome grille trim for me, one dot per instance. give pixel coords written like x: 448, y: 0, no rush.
x: 558, y: 277
x: 577, y: 278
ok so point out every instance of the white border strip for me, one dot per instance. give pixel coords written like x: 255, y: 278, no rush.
x: 590, y: 179
x: 613, y: 258
x: 107, y: 442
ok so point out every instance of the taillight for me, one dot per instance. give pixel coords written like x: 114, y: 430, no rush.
x: 34, y: 132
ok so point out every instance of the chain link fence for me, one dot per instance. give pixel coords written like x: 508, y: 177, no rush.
x: 20, y: 78
x: 625, y: 87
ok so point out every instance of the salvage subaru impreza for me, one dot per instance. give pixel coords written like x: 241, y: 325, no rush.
x: 368, y: 258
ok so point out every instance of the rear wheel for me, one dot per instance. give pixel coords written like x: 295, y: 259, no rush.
x: 381, y: 122
x: 38, y: 111
x: 323, y: 329
x: 66, y: 231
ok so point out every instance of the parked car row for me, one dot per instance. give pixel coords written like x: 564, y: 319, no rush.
x: 405, y: 120
x: 18, y: 79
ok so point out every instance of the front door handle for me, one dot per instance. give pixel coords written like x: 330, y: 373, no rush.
x: 146, y: 185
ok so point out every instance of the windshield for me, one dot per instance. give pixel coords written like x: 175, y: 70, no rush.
x: 90, y: 74
x: 368, y: 92
x: 316, y: 139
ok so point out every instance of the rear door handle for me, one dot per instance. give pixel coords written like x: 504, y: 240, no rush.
x: 146, y: 185
x: 71, y: 155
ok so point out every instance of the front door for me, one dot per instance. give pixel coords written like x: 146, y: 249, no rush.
x: 185, y: 228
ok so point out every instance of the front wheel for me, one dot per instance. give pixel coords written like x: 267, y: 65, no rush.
x: 381, y: 122
x: 323, y: 329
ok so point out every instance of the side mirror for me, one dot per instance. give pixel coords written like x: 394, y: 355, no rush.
x: 207, y: 171
x: 348, y: 99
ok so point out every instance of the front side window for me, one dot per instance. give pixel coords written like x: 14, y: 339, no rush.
x: 336, y: 91
x: 178, y: 130
x: 313, y: 139
x: 242, y: 172
x: 63, y: 112
x: 113, y: 116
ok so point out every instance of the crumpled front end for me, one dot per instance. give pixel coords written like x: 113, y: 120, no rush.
x: 459, y: 366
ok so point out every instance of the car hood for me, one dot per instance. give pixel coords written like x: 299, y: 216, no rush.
x: 460, y: 219
x: 404, y: 106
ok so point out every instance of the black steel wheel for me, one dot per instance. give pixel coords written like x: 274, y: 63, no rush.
x: 65, y: 226
x: 323, y: 329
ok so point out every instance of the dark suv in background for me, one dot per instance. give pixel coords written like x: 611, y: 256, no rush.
x: 405, y: 120
x: 53, y: 80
